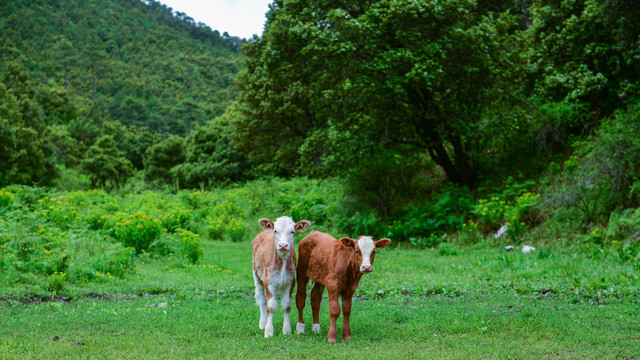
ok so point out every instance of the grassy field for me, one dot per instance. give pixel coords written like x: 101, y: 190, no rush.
x: 476, y: 302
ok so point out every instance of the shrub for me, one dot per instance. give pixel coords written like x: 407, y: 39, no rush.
x: 114, y: 260
x: 235, y: 230
x: 447, y: 249
x: 190, y: 245
x: 175, y: 218
x: 57, y: 281
x: 6, y: 198
x: 603, y: 173
x: 138, y: 230
x: 441, y: 213
x: 430, y: 241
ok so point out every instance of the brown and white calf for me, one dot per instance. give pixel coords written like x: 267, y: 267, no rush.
x: 274, y: 269
x: 337, y: 265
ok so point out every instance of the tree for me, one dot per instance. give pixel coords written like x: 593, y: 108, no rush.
x: 106, y: 165
x: 64, y: 54
x: 210, y: 156
x: 161, y: 157
x: 389, y: 73
x: 26, y: 154
x: 585, y: 51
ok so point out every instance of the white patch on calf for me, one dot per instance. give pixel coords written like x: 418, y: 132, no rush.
x: 272, y: 305
x: 366, y: 247
x: 283, y: 232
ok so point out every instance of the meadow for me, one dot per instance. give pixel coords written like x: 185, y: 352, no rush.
x: 89, y: 274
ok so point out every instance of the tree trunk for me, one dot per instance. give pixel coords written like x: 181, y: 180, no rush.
x: 525, y: 13
x: 457, y: 169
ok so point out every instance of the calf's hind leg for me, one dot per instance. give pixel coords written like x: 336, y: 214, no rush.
x: 346, y: 312
x: 286, y: 308
x: 316, y: 299
x: 301, y: 297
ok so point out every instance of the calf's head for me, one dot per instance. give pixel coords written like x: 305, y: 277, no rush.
x: 283, y: 230
x: 365, y: 250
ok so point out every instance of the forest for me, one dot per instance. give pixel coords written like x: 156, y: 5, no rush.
x: 454, y: 128
x: 427, y: 112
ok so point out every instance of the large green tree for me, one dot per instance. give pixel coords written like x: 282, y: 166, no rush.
x: 106, y: 165
x: 336, y: 80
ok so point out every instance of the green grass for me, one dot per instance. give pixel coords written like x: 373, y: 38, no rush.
x: 480, y: 303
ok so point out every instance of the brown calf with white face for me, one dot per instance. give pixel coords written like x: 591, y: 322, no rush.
x: 337, y: 265
x: 274, y: 269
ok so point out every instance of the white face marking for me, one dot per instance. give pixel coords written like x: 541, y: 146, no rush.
x: 283, y: 231
x: 366, y: 247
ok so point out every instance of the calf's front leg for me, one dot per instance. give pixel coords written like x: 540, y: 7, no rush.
x: 334, y: 313
x: 272, y: 305
x: 346, y: 312
x: 261, y: 300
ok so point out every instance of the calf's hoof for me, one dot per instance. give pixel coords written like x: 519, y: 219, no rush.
x: 268, y: 332
x: 316, y: 328
x: 286, y: 330
x: 300, y: 328
x: 332, y: 340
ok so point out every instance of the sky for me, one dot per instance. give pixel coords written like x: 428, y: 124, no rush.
x: 241, y: 18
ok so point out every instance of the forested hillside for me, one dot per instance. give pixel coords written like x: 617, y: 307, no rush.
x: 139, y: 62
x: 75, y: 71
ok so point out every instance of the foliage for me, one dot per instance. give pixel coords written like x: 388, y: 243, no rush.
x: 140, y: 61
x: 210, y: 158
x: 373, y: 75
x: 105, y: 164
x: 190, y: 245
x: 603, y: 173
x: 137, y: 230
x: 25, y: 150
x: 585, y: 51
x: 162, y: 157
x: 426, y: 224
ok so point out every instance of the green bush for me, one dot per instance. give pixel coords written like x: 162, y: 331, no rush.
x: 235, y: 230
x: 57, y: 281
x: 603, y: 172
x: 443, y: 212
x: 138, y: 230
x: 190, y: 245
x: 6, y: 198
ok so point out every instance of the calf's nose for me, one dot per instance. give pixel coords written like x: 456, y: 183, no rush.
x: 283, y: 246
x: 366, y: 268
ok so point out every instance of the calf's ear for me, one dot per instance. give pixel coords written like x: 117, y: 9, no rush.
x: 347, y: 242
x: 302, y: 225
x: 383, y: 243
x: 266, y: 224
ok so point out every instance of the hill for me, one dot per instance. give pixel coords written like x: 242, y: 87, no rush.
x: 142, y: 64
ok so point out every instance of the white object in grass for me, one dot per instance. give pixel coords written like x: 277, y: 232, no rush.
x: 501, y: 232
x: 526, y: 249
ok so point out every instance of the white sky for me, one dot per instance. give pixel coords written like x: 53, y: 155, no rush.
x: 241, y: 18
